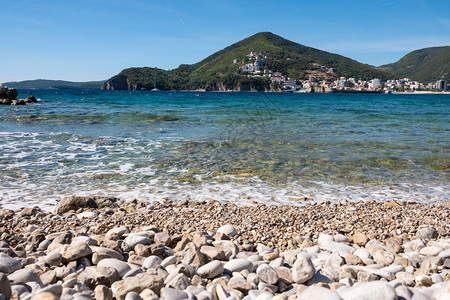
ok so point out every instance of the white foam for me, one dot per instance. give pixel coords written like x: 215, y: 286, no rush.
x: 126, y: 167
x: 41, y: 171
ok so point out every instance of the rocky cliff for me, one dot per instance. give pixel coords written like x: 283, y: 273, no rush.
x: 120, y: 82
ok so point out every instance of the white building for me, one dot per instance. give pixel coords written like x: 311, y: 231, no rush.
x: 342, y: 82
x: 441, y: 84
x: 375, y: 83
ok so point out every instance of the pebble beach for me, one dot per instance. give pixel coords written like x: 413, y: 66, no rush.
x: 104, y: 248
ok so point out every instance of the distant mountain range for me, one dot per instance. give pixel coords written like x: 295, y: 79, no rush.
x: 53, y: 84
x: 225, y: 69
x: 424, y: 65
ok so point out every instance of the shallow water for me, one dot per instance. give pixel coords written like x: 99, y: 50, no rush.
x: 266, y: 147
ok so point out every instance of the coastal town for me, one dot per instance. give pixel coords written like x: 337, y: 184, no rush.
x: 324, y: 80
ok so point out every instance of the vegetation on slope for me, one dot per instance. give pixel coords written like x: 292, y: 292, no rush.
x: 289, y: 58
x: 424, y: 65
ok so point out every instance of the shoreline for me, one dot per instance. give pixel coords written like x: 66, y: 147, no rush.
x: 272, y: 92
x: 342, y: 214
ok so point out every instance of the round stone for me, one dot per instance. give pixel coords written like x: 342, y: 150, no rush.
x: 267, y: 274
x: 99, y: 253
x: 133, y: 296
x: 303, y: 269
x: 211, y: 269
x: 23, y: 276
x: 93, y: 276
x: 318, y: 292
x: 171, y: 260
x: 9, y: 264
x: 137, y: 238
x: 87, y: 215
x: 152, y: 262
x: 238, y: 265
x: 53, y: 259
x: 227, y: 229
x: 426, y: 233
x: 376, y: 290
x: 431, y: 251
x: 120, y: 266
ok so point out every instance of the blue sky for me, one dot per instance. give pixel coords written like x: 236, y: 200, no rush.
x: 85, y: 40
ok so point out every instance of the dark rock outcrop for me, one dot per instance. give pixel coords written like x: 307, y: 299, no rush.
x: 8, y: 97
x: 120, y: 82
x: 8, y: 93
x: 76, y: 202
x: 216, y: 87
x: 252, y: 86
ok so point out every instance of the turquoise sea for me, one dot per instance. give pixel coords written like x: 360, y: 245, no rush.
x: 233, y: 147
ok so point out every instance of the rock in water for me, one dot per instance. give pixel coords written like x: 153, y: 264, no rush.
x: 31, y: 99
x: 8, y: 93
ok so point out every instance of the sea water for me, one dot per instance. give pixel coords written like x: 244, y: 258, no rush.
x: 232, y: 147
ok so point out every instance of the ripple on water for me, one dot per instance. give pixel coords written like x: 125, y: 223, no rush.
x: 225, y: 147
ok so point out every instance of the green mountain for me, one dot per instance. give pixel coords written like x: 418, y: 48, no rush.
x: 221, y: 70
x: 54, y: 84
x: 424, y: 65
